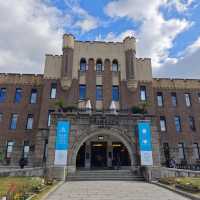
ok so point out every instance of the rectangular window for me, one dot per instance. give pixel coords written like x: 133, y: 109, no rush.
x: 53, y: 91
x: 160, y: 99
x: 143, y: 95
x: 1, y: 117
x: 18, y: 95
x: 199, y: 97
x: 187, y: 99
x: 9, y: 149
x: 49, y: 118
x: 2, y: 95
x: 174, y: 99
x: 192, y: 123
x: 82, y: 92
x: 177, y: 121
x: 29, y: 124
x: 99, y: 92
x: 115, y: 93
x: 33, y: 98
x: 196, y: 154
x: 163, y: 124
x: 26, y: 149
x: 13, y: 123
x: 181, y: 151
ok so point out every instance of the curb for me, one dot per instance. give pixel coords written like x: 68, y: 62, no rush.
x: 52, y: 190
x: 180, y: 192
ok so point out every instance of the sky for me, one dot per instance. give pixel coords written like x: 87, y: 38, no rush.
x: 167, y: 31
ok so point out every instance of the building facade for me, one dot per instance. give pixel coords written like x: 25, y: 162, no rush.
x: 104, y: 91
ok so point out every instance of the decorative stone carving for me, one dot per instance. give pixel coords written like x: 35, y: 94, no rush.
x: 132, y: 85
x: 66, y: 83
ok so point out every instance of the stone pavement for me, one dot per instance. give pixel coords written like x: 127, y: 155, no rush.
x: 112, y: 190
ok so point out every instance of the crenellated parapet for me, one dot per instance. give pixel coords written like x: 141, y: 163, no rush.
x: 25, y: 79
x: 166, y: 83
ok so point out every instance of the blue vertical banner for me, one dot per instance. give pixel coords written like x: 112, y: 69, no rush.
x: 144, y: 133
x: 62, y: 142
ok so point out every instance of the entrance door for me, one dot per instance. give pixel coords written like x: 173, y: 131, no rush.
x: 98, y: 154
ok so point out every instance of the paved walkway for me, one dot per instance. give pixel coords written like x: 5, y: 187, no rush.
x: 112, y: 190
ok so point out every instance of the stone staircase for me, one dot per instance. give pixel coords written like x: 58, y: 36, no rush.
x: 102, y: 175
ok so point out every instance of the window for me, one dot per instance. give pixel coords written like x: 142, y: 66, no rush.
x: 199, y: 97
x: 143, y: 95
x: 160, y: 99
x: 18, y: 95
x: 115, y: 93
x: 13, y: 123
x: 99, y: 92
x: 163, y: 124
x: 33, y: 98
x: 53, y: 91
x: 192, y: 123
x: 196, y: 154
x: 45, y: 150
x: 26, y: 149
x: 49, y: 118
x: 2, y: 95
x: 9, y: 149
x: 99, y: 66
x: 174, y: 99
x: 1, y: 117
x: 115, y: 67
x: 29, y: 124
x: 83, y: 65
x: 177, y: 121
x: 187, y: 99
x: 181, y: 151
x: 82, y: 92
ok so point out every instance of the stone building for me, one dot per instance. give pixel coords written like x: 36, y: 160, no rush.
x: 104, y: 91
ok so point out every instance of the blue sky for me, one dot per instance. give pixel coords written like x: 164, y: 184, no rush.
x: 167, y: 31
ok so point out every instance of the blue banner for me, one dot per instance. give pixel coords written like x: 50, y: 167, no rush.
x: 144, y: 130
x: 62, y: 135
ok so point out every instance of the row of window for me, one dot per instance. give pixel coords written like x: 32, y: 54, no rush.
x: 174, y: 101
x: 181, y: 151
x: 14, y: 119
x: 18, y: 95
x: 99, y: 92
x: 99, y: 65
x: 177, y: 123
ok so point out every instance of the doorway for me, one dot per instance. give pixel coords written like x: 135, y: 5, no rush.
x: 80, y: 160
x: 98, y: 154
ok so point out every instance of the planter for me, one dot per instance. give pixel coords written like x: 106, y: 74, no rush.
x: 188, y: 188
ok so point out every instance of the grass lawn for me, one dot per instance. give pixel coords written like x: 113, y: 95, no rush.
x: 186, y: 180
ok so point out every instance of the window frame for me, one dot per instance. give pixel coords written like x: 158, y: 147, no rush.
x: 11, y: 121
x: 143, y: 93
x: 174, y: 99
x: 188, y: 100
x: 163, y: 122
x: 115, y: 65
x: 7, y: 148
x: 81, y: 67
x: 3, y: 91
x: 99, y: 91
x: 53, y: 91
x: 178, y: 119
x: 182, y: 147
x: 115, y: 96
x: 160, y: 99
x: 99, y: 66
x: 28, y: 127
x: 31, y: 96
x: 82, y: 89
x: 192, y: 124
x: 196, y: 146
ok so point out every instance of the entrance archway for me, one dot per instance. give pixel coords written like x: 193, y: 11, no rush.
x: 102, y: 148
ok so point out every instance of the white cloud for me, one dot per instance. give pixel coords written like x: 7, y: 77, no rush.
x: 180, y: 5
x: 29, y: 30
x: 85, y: 22
x: 187, y: 65
x: 116, y: 38
x: 156, y: 34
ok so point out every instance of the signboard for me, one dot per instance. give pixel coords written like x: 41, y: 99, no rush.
x: 144, y: 132
x: 62, y: 142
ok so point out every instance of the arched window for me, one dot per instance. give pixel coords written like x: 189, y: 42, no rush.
x: 99, y: 66
x: 83, y: 65
x: 115, y: 67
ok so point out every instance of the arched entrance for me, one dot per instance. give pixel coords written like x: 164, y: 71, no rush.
x: 104, y: 150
